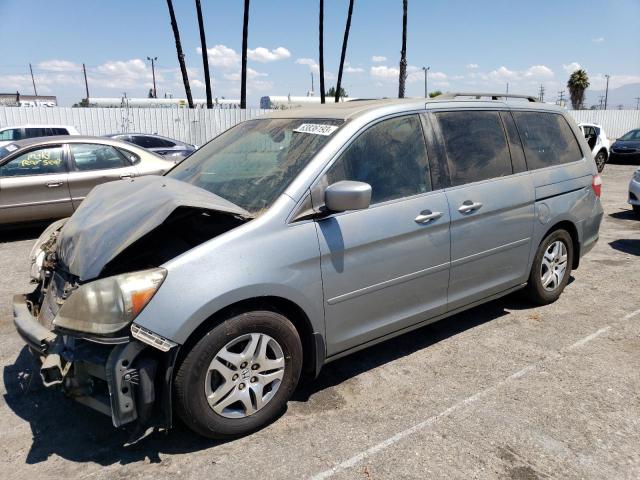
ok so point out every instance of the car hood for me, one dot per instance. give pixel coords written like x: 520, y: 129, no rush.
x: 626, y: 143
x: 116, y: 214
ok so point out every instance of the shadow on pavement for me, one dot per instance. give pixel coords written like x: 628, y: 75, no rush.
x: 67, y: 429
x: 626, y: 245
x: 28, y: 232
x: 624, y: 215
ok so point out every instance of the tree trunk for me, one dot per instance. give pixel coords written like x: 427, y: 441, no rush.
x: 321, y: 46
x: 183, y: 67
x: 205, y: 55
x: 344, y: 50
x: 243, y: 74
x: 403, y: 52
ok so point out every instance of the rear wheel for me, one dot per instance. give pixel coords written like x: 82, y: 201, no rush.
x: 601, y: 160
x: 239, y: 377
x: 551, y: 268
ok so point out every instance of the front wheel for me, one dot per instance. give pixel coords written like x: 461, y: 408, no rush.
x: 551, y: 268
x: 239, y: 376
x: 601, y: 161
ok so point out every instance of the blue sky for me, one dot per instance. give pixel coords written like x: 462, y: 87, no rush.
x: 469, y: 45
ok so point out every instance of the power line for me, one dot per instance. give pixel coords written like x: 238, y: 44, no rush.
x: 541, y: 94
x: 560, y: 97
x: 637, y: 99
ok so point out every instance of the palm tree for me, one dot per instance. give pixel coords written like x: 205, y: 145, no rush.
x: 344, y: 49
x: 243, y: 73
x: 321, y: 46
x: 205, y: 55
x: 183, y: 67
x: 577, y: 84
x: 403, y: 52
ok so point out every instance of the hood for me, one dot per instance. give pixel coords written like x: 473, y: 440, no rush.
x: 117, y: 214
x: 627, y: 143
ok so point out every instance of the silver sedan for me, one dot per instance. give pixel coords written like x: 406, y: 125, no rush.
x: 46, y: 178
x: 634, y: 192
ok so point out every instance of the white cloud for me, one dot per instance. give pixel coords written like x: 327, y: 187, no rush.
x: 571, y: 67
x: 503, y: 73
x: 597, y: 40
x: 251, y: 75
x: 349, y: 69
x: 58, y: 66
x: 264, y: 55
x: 222, y: 56
x: 385, y: 72
x: 539, y: 72
x: 472, y: 66
x: 378, y: 58
x: 310, y: 62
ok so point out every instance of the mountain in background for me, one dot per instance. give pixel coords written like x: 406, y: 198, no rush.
x: 624, y: 96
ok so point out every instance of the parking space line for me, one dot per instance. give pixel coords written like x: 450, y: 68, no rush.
x: 353, y: 461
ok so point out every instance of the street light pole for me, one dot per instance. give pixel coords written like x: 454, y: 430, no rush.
x: 426, y: 75
x: 153, y: 73
x: 606, y: 93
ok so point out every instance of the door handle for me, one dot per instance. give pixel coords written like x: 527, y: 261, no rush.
x: 54, y: 184
x: 126, y: 175
x: 469, y: 206
x: 426, y: 216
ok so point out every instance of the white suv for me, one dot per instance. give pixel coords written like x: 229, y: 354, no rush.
x: 11, y: 134
x: 598, y: 143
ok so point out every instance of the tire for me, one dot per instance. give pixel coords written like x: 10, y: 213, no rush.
x: 204, y: 372
x: 601, y: 160
x: 536, y: 290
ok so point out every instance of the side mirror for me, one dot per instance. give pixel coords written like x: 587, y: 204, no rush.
x: 347, y: 195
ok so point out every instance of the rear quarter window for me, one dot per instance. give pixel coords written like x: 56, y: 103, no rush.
x: 547, y: 139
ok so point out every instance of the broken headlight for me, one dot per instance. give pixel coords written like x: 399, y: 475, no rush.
x: 107, y: 305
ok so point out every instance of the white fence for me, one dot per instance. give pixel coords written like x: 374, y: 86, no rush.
x: 615, y: 122
x: 195, y: 126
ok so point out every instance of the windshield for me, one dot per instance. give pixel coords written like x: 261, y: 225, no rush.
x: 632, y: 135
x: 6, y: 150
x: 252, y: 163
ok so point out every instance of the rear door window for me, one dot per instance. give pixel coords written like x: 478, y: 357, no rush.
x: 547, y: 139
x: 391, y: 156
x: 151, y: 142
x: 60, y: 131
x: 35, y: 132
x: 515, y: 145
x: 475, y: 145
x: 40, y: 161
x: 97, y: 157
x: 11, y: 134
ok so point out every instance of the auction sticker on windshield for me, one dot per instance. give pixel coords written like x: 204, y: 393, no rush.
x: 316, y: 129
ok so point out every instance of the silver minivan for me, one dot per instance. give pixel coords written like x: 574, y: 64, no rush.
x: 297, y: 238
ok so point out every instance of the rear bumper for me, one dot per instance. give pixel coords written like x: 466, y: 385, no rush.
x: 129, y: 381
x: 634, y: 192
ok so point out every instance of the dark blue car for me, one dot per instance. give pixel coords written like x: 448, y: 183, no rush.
x: 626, y: 149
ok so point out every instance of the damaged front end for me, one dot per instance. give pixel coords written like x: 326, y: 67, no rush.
x: 94, y: 273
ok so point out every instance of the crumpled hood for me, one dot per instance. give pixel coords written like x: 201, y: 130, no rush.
x: 116, y: 214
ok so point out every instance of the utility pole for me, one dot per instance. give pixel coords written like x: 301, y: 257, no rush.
x: 312, y: 90
x: 507, y: 87
x: 35, y: 92
x: 541, y: 94
x: 153, y: 74
x: 606, y: 93
x: 426, y: 75
x: 637, y: 99
x: 600, y: 102
x: 86, y: 84
x: 560, y: 97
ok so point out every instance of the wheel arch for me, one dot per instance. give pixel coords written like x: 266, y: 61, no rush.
x: 313, y: 346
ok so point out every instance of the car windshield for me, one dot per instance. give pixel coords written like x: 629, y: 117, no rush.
x: 632, y: 135
x: 252, y: 163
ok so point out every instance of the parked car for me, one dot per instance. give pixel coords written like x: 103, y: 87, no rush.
x: 12, y: 134
x: 167, y: 147
x: 634, y: 192
x: 598, y: 143
x: 294, y: 239
x: 47, y: 178
x: 626, y: 149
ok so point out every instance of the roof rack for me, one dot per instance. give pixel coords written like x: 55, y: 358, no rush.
x: 494, y: 96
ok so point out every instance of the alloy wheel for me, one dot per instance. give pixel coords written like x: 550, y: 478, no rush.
x: 554, y: 265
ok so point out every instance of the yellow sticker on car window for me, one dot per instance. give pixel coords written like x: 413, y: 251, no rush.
x: 42, y: 157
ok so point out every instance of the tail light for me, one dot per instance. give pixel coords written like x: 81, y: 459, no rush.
x: 596, y: 184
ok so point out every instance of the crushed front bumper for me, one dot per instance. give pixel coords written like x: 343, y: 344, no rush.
x: 125, y: 379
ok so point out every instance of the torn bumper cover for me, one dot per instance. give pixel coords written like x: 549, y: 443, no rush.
x: 128, y: 378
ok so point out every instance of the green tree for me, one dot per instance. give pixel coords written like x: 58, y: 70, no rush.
x: 332, y: 92
x: 403, y: 52
x: 435, y: 93
x: 577, y: 84
x: 344, y: 49
x: 183, y: 67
